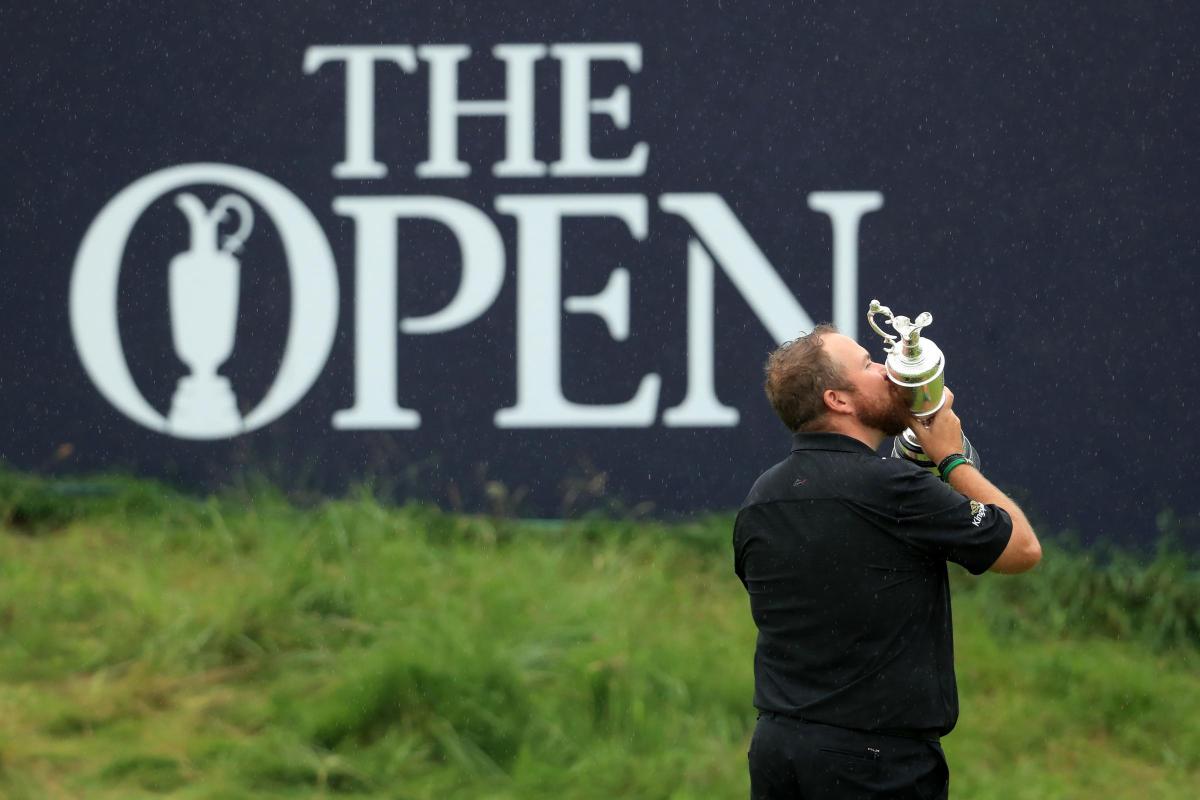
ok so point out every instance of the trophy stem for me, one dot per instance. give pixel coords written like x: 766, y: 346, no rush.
x: 906, y: 446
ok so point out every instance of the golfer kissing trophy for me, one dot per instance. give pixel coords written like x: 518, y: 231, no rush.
x: 204, y: 283
x: 918, y: 365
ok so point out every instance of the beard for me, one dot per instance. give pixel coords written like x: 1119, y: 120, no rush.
x: 891, y: 415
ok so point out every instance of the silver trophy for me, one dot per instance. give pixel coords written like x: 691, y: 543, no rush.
x: 918, y: 365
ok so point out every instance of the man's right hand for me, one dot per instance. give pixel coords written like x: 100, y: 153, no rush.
x: 941, y: 434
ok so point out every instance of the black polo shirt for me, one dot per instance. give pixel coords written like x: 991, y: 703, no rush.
x: 844, y: 556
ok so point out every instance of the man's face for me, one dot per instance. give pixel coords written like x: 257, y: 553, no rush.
x: 878, y: 403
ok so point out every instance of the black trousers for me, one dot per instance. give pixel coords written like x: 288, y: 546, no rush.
x: 795, y: 760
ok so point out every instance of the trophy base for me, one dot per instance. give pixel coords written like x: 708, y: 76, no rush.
x: 204, y: 408
x: 906, y: 446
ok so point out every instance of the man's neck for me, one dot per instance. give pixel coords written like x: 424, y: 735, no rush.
x: 871, y: 437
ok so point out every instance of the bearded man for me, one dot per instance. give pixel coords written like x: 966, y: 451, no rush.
x: 843, y: 554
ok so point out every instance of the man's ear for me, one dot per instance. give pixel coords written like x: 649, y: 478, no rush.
x: 837, y: 401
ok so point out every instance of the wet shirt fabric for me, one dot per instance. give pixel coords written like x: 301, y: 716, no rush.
x: 843, y: 554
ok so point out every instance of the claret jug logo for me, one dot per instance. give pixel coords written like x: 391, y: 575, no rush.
x: 205, y: 275
x: 204, y: 284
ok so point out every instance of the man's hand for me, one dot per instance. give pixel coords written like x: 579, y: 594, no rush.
x: 941, y: 434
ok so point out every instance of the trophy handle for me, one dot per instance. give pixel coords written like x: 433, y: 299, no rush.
x: 234, y: 202
x: 889, y: 341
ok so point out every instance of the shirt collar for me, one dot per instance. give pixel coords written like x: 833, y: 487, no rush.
x: 824, y: 440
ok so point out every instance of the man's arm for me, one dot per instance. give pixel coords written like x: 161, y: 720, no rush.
x: 943, y: 436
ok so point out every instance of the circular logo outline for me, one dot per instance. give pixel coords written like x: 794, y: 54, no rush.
x: 312, y: 275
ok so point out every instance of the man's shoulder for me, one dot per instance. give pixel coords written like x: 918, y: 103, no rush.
x: 810, y: 475
x: 768, y: 485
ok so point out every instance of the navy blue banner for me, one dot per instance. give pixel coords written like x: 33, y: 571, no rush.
x: 534, y: 260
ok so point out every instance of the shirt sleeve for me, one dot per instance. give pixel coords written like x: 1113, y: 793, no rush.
x: 934, y: 518
x: 739, y: 566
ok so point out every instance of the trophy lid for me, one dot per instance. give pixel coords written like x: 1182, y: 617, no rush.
x: 911, y: 361
x: 910, y: 331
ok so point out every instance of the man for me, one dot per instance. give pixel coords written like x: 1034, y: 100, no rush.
x: 843, y: 554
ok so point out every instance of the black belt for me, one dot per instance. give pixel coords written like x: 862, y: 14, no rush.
x: 926, y: 734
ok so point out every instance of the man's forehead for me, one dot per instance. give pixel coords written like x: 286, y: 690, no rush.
x: 840, y: 345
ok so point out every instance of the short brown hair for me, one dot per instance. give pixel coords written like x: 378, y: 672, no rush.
x: 797, y: 374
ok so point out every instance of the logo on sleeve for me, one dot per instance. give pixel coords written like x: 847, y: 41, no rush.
x: 978, y: 512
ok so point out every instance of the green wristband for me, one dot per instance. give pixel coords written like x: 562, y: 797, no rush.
x: 950, y: 468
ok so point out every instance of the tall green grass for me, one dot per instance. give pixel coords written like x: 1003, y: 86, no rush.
x: 154, y: 644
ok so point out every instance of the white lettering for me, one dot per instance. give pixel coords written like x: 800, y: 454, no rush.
x: 540, y: 401
x: 700, y: 406
x: 375, y: 375
x: 845, y: 210
x: 360, y: 99
x: 445, y: 108
x: 578, y: 106
x: 751, y: 273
